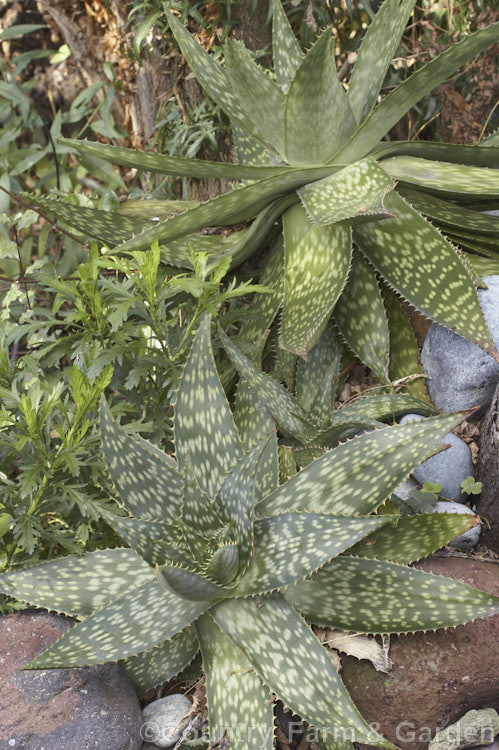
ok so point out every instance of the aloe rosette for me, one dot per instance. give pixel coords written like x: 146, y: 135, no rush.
x: 359, y: 214
x: 224, y: 560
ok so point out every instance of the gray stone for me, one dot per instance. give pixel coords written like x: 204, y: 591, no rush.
x: 467, y: 539
x: 164, y: 720
x: 405, y: 488
x: 90, y: 708
x: 462, y: 375
x: 448, y: 468
x: 472, y: 729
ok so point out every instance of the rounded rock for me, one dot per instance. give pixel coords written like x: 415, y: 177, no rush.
x: 86, y: 708
x: 448, y: 468
x: 164, y: 720
x: 467, y: 539
x: 462, y: 375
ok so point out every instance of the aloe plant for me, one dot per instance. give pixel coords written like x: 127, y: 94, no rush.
x: 352, y: 205
x: 222, y: 558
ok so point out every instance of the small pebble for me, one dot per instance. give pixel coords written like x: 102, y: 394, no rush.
x: 463, y: 375
x: 164, y: 720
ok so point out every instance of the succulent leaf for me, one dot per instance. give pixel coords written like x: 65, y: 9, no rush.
x: 316, y: 103
x: 282, y: 405
x: 119, y: 629
x: 286, y: 50
x: 460, y: 153
x: 404, y: 350
x: 154, y: 540
x: 209, y: 73
x: 78, y: 585
x: 259, y: 96
x: 419, y: 263
x: 456, y: 217
x: 441, y: 177
x: 409, y: 538
x: 389, y: 455
x: 397, y: 599
x: 198, y: 514
x: 385, y: 407
x: 317, y: 695
x: 240, y: 204
x: 189, y: 585
x: 236, y: 498
x: 224, y: 564
x: 314, y: 377
x: 106, y: 226
x: 146, y: 481
x: 265, y: 307
x: 208, y: 435
x: 375, y: 55
x: 356, y: 191
x: 317, y: 260
x: 361, y: 317
x: 173, y: 165
x: 239, y: 709
x: 290, y: 546
x: 409, y: 92
x: 151, y: 668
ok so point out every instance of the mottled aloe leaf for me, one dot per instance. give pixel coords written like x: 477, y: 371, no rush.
x: 314, y: 378
x: 240, y: 204
x: 485, y: 244
x: 120, y: 629
x: 173, y: 165
x: 224, y: 565
x: 344, y: 427
x: 317, y: 259
x: 236, y: 499
x: 238, y: 245
x: 210, y: 74
x: 249, y: 151
x: 108, y: 227
x: 483, y: 266
x: 419, y: 263
x: 404, y: 350
x: 145, y: 208
x: 197, y: 512
x: 276, y: 641
x: 152, y: 668
x: 287, y: 463
x: 341, y: 481
x: 253, y: 422
x: 145, y: 479
x: 361, y: 317
x: 454, y: 152
x: 265, y: 306
x: 409, y: 538
x: 259, y: 96
x: 189, y: 586
x: 207, y: 435
x: 409, y: 92
x: 317, y: 116
x: 385, y: 407
x: 448, y: 179
x: 454, y: 216
x: 375, y: 55
x: 286, y: 50
x: 282, y: 405
x: 154, y: 540
x: 240, y: 711
x: 77, y: 585
x: 372, y: 596
x: 290, y: 546
x: 356, y: 191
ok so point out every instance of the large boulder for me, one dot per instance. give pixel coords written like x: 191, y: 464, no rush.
x: 437, y: 676
x: 90, y: 708
x: 462, y: 376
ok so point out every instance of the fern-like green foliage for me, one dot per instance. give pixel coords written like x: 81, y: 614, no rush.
x: 362, y: 218
x: 222, y: 558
